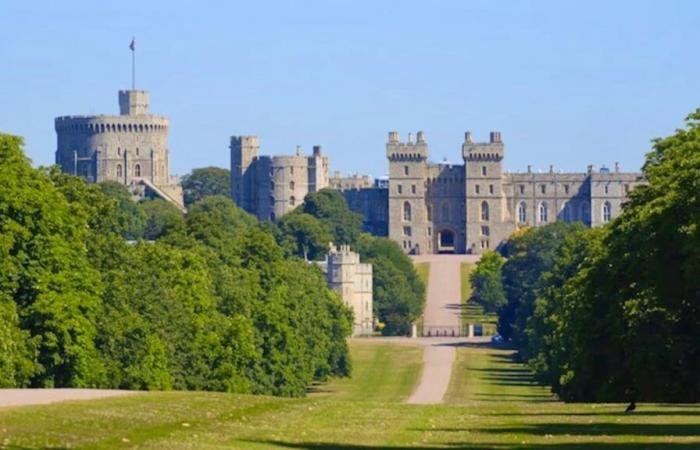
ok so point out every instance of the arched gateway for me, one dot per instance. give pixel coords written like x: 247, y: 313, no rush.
x: 446, y: 241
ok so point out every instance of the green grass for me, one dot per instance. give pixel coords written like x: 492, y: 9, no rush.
x: 492, y: 404
x: 472, y: 312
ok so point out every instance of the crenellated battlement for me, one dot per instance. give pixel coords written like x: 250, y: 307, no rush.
x: 491, y: 151
x: 409, y: 150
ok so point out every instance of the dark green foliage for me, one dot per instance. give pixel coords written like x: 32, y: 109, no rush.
x: 399, y: 293
x: 212, y: 304
x: 487, y: 284
x: 204, y: 182
x: 162, y: 218
x: 130, y: 218
x: 304, y: 235
x: 615, y: 312
x: 329, y: 206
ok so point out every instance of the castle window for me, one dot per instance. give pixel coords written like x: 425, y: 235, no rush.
x: 485, y: 230
x: 413, y: 189
x: 119, y: 170
x: 119, y: 151
x: 291, y: 185
x: 607, y: 212
x: 522, y: 212
x: 137, y: 170
x: 407, y: 231
x: 405, y: 170
x: 292, y: 201
x: 566, y: 188
x: 445, y: 212
x: 522, y: 188
x: 430, y: 213
x: 406, y: 211
x: 291, y: 170
x: 483, y: 171
x: 607, y: 189
x: 399, y: 189
x: 430, y: 231
x: 476, y: 188
x: 543, y: 188
x: 137, y: 151
x: 543, y: 212
x: 491, y: 189
x: 484, y: 211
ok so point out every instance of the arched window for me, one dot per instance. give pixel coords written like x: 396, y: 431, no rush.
x: 407, y: 211
x: 445, y: 212
x: 484, y: 211
x: 119, y: 170
x: 292, y: 201
x: 522, y: 212
x: 137, y: 170
x: 607, y: 212
x: 543, y: 212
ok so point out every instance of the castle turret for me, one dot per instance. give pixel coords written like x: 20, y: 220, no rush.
x: 244, y: 150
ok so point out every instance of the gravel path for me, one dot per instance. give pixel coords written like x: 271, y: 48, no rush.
x: 22, y: 397
x: 437, y: 369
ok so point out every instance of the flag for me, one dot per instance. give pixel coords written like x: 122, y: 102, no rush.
x: 132, y: 46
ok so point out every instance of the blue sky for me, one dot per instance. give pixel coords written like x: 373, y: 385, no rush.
x: 566, y: 83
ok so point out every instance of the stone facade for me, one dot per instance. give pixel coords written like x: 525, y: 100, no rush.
x: 131, y: 148
x: 475, y: 206
x: 271, y: 186
x: 352, y: 280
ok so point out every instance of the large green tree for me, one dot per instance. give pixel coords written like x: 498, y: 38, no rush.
x: 487, y: 283
x: 205, y: 182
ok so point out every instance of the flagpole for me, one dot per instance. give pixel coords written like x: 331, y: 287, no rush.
x: 133, y: 65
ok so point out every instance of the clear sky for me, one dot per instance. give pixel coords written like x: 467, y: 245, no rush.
x: 566, y: 83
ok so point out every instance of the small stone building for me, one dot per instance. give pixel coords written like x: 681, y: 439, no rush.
x: 353, y: 281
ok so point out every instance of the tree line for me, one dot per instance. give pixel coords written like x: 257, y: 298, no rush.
x: 208, y: 301
x: 611, y: 313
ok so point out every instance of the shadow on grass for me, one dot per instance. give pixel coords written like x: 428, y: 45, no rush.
x: 467, y: 446
x: 593, y: 429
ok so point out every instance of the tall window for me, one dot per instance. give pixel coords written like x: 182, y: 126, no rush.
x: 607, y: 212
x: 476, y: 189
x: 566, y: 188
x: 405, y: 170
x: 399, y: 189
x: 483, y: 171
x: 291, y: 185
x: 522, y: 212
x: 484, y: 211
x: 491, y: 189
x: 543, y: 212
x: 430, y: 213
x: 119, y: 170
x: 522, y: 188
x: 543, y: 188
x: 292, y: 201
x: 607, y: 189
x: 406, y: 211
x: 137, y: 170
x: 413, y: 189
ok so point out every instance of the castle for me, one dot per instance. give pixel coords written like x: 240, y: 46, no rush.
x: 270, y: 186
x: 434, y: 208
x: 352, y: 280
x: 131, y: 148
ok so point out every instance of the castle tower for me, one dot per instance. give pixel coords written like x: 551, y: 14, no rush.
x: 131, y: 148
x: 407, y: 208
x: 244, y: 150
x: 352, y: 280
x: 486, y: 221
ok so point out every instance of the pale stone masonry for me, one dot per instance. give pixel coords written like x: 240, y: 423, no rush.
x: 131, y: 148
x: 352, y: 280
x: 271, y: 186
x: 475, y: 206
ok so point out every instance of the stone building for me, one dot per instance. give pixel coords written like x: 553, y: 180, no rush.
x: 353, y: 281
x: 271, y: 186
x: 475, y: 206
x: 131, y: 148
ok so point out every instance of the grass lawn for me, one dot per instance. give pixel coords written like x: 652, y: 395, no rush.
x: 492, y: 404
x: 472, y: 312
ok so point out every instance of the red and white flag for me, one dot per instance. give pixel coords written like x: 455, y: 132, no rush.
x: 132, y: 46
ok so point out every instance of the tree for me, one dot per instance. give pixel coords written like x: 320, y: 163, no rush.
x: 47, y: 275
x: 329, y: 206
x: 205, y: 182
x: 131, y: 218
x: 486, y: 282
x: 161, y: 218
x: 304, y: 236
